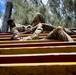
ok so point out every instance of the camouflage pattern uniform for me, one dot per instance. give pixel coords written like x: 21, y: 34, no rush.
x: 54, y: 34
x: 21, y: 28
x: 35, y: 35
x: 59, y: 35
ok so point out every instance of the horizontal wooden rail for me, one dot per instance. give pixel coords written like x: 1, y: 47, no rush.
x: 38, y: 58
x: 39, y: 69
x: 33, y: 50
x: 37, y: 44
x: 22, y: 35
x: 40, y: 37
x: 28, y: 41
x: 8, y: 38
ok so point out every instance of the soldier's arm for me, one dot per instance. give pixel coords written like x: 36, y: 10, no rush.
x: 35, y: 35
x: 15, y: 31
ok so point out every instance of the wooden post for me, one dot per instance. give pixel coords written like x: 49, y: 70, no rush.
x: 7, y: 15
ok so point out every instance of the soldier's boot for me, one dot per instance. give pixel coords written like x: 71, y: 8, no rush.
x: 69, y: 32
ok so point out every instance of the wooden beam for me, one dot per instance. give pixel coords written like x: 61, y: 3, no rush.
x: 7, y: 15
x: 10, y: 45
x: 4, y: 40
x: 39, y: 69
x: 28, y: 41
x: 38, y: 50
x: 38, y: 58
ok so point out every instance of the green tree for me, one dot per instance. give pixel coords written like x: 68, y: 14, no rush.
x: 56, y: 12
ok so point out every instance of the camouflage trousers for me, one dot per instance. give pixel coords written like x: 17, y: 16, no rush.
x: 59, y: 35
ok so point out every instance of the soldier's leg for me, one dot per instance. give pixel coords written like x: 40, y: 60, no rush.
x: 35, y: 35
x: 59, y: 34
x: 48, y: 27
x: 38, y: 19
x: 69, y: 32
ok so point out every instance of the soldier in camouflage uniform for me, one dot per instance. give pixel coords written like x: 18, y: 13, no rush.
x: 13, y: 28
x: 57, y: 33
x: 16, y: 29
x: 38, y: 25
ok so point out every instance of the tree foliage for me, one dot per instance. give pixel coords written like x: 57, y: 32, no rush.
x: 56, y: 12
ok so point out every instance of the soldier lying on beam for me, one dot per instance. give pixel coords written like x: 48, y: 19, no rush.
x: 32, y: 27
x: 57, y: 33
x: 63, y: 35
x: 14, y: 28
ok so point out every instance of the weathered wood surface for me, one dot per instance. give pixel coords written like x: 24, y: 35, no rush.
x: 33, y: 50
x: 7, y: 37
x: 38, y: 65
x: 37, y: 58
x: 28, y: 41
x: 39, y: 70
x: 37, y: 44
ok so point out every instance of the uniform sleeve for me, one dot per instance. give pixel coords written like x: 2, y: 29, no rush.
x: 15, y: 31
